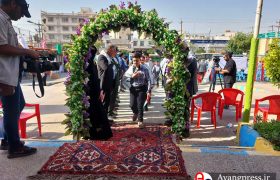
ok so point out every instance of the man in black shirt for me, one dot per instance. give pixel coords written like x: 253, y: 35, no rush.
x: 229, y: 70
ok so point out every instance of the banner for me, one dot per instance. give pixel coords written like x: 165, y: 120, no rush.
x: 241, y: 63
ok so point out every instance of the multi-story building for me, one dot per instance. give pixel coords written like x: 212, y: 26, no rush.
x: 129, y: 40
x: 211, y: 44
x: 58, y: 27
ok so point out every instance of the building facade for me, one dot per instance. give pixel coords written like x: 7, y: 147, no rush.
x: 58, y: 27
x: 129, y: 40
x: 214, y: 44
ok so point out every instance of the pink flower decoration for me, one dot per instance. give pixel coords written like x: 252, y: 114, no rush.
x: 122, y: 5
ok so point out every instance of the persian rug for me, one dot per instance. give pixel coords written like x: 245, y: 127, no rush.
x: 132, y: 153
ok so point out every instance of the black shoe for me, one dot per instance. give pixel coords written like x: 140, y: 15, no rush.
x: 5, y: 146
x: 21, y: 152
x: 146, y: 108
x: 111, y: 122
x: 113, y: 114
x: 186, y: 133
x: 134, y: 117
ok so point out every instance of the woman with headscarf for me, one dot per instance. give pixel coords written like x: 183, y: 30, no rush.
x: 100, y: 129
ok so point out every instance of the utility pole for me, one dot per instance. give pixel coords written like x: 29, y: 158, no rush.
x: 252, y: 64
x: 271, y: 28
x: 30, y: 39
x: 278, y: 26
x: 181, y: 23
x: 252, y: 29
x: 40, y: 32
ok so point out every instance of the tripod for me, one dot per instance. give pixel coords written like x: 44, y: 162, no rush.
x: 214, y: 78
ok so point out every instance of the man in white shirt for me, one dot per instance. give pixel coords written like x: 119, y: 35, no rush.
x: 10, y: 53
x: 163, y: 64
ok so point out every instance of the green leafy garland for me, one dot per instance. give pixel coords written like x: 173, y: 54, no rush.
x: 77, y: 121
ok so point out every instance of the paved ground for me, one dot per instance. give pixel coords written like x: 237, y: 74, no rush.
x: 199, y: 151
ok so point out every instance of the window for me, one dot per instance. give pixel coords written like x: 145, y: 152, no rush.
x: 51, y: 36
x: 150, y: 42
x: 81, y: 20
x: 135, y: 43
x: 65, y: 19
x: 74, y: 20
x: 141, y: 43
x: 51, y: 28
x: 74, y: 28
x: 66, y: 37
x: 129, y: 37
x: 65, y: 28
x: 50, y: 19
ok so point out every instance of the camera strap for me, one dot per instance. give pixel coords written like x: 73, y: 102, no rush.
x: 40, y: 81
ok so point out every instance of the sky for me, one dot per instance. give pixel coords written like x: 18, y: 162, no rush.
x: 202, y: 17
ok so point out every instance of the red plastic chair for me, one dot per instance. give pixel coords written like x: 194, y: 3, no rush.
x: 24, y: 116
x: 209, y: 102
x: 273, y: 107
x: 233, y: 97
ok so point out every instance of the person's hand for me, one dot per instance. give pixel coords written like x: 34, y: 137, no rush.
x: 218, y: 69
x: 32, y: 54
x: 101, y: 96
x: 136, y: 74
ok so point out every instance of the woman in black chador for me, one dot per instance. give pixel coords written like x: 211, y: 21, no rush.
x: 100, y: 129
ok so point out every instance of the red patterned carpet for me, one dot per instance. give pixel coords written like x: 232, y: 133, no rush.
x: 132, y: 152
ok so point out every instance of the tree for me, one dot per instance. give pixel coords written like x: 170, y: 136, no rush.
x: 211, y: 50
x: 240, y: 43
x: 192, y: 47
x: 200, y: 50
x: 99, y: 44
x: 272, y: 62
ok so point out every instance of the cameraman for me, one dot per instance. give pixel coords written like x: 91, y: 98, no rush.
x: 10, y: 90
x: 229, y: 70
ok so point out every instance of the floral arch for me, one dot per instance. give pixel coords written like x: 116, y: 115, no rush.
x: 77, y: 121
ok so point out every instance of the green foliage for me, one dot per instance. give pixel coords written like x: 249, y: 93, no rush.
x: 212, y: 50
x: 99, y: 44
x: 116, y: 17
x: 270, y: 131
x: 240, y: 43
x: 200, y: 50
x: 272, y: 62
x: 150, y: 51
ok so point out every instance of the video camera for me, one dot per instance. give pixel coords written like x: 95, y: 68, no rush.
x: 38, y: 66
x: 216, y: 60
x: 43, y: 64
x: 33, y: 66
